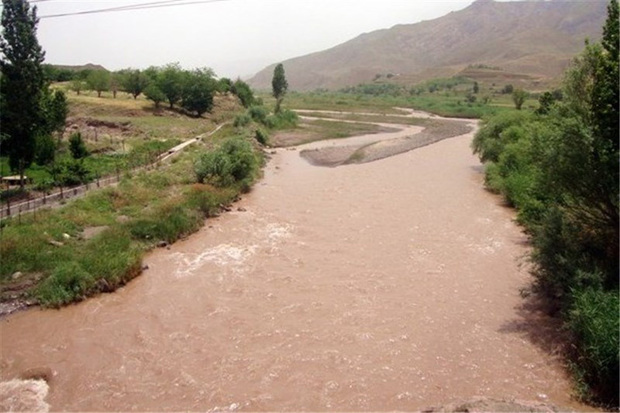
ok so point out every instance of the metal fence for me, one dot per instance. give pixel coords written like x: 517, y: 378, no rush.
x: 31, y: 204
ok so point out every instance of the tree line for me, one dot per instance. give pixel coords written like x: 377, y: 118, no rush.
x: 190, y: 90
x: 559, y: 166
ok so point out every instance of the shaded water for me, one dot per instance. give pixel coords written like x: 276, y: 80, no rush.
x: 392, y: 285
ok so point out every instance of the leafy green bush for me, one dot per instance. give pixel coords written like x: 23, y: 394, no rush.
x: 594, y: 321
x: 258, y: 113
x: 234, y: 161
x: 282, y: 120
x: 242, y: 120
x: 261, y: 136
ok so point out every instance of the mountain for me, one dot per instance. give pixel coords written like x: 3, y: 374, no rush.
x: 536, y: 39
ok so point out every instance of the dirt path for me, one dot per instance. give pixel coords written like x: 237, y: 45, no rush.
x: 392, y: 285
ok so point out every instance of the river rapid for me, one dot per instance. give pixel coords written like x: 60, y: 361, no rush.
x: 390, y: 285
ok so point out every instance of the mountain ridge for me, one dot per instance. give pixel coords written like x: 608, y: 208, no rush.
x: 535, y: 38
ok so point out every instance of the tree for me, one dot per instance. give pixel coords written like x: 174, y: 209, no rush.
x: 134, y: 82
x: 170, y: 82
x: 77, y: 146
x: 77, y: 85
x: 198, y: 91
x: 476, y: 88
x: 22, y: 83
x: 518, y: 97
x: 153, y: 94
x: 279, y: 85
x: 99, y: 80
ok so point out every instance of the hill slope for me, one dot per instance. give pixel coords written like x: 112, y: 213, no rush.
x: 537, y: 38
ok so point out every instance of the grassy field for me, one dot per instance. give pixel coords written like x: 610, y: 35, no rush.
x: 446, y: 103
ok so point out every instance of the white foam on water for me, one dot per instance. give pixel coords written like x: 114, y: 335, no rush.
x: 24, y: 396
x: 223, y: 255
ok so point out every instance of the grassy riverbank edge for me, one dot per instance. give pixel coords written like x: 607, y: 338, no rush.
x: 95, y: 244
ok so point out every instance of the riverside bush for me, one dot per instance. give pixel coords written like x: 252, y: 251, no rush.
x: 594, y: 321
x: 233, y: 162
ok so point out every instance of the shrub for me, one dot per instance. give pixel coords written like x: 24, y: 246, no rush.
x: 282, y: 120
x: 242, y: 120
x: 261, y: 136
x: 258, y: 113
x: 594, y: 322
x: 234, y: 161
x: 77, y: 146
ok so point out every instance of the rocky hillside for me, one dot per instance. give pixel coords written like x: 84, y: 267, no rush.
x: 535, y: 38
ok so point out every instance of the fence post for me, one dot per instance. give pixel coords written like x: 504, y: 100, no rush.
x: 8, y: 206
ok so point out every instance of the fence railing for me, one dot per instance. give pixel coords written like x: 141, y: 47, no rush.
x: 63, y: 193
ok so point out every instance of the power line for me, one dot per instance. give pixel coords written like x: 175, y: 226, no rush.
x: 131, y: 7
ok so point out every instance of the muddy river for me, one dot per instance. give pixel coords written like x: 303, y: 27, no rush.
x: 390, y: 285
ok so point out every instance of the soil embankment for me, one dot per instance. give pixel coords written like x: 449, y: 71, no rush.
x: 389, y: 285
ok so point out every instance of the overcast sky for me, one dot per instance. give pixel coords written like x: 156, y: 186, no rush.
x: 233, y: 37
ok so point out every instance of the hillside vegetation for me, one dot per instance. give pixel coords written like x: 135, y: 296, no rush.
x: 528, y: 39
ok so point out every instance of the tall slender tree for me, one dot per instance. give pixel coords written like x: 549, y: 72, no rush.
x: 22, y: 83
x: 279, y: 85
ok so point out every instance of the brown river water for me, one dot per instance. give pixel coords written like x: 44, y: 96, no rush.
x: 390, y: 285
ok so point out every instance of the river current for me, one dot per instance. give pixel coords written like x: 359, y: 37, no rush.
x: 390, y: 285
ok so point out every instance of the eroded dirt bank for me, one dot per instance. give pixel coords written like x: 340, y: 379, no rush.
x: 392, y: 285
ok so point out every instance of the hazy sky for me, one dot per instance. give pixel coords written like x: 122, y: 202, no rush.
x: 233, y: 37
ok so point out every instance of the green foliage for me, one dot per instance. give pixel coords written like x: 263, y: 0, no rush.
x: 154, y: 94
x: 243, y: 91
x: 77, y: 85
x: 77, y: 146
x: 233, y: 162
x: 69, y: 172
x: 134, y: 82
x: 279, y: 85
x: 99, y: 81
x: 57, y: 74
x: 285, y: 119
x: 198, y: 89
x: 170, y: 81
x: 261, y: 136
x: 496, y: 133
x: 167, y: 223
x: 518, y: 97
x: 258, y: 114
x: 375, y: 89
x: 68, y: 283
x: 54, y: 111
x: 45, y: 150
x: 242, y: 120
x: 22, y: 83
x: 594, y: 322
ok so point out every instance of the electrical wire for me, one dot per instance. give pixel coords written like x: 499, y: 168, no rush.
x: 131, y: 7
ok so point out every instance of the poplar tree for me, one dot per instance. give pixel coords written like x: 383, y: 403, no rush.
x: 21, y: 85
x: 279, y: 85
